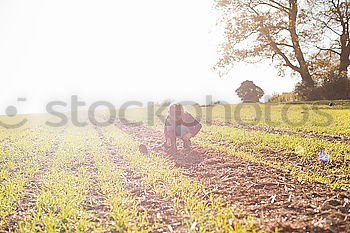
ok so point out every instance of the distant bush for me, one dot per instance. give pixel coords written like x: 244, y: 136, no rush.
x: 334, y: 87
x: 249, y: 92
x: 211, y: 104
x: 284, y: 97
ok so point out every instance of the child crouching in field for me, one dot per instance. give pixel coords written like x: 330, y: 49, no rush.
x: 179, y: 124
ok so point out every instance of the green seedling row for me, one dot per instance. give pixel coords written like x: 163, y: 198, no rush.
x: 124, y: 213
x: 307, y: 118
x: 64, y: 188
x: 293, y: 153
x: 19, y: 163
x: 201, y: 213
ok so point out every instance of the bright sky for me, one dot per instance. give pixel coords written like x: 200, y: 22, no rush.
x: 116, y: 51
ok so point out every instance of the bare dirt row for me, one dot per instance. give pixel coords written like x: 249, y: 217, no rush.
x: 159, y: 209
x: 273, y: 197
x: 33, y: 187
x: 271, y: 130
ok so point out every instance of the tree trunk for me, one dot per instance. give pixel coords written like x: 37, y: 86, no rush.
x: 345, y: 50
x: 306, y: 77
x: 304, y: 70
x: 344, y: 63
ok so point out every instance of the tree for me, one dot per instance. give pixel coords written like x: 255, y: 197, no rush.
x: 249, y: 92
x: 331, y: 19
x: 265, y: 29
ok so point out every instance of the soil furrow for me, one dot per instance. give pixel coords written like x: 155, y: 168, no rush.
x: 158, y: 208
x: 9, y: 138
x: 33, y: 187
x: 271, y: 130
x: 298, y: 161
x: 273, y: 197
x: 95, y: 203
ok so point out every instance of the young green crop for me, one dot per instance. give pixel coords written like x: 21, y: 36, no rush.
x: 296, y: 154
x: 200, y: 213
x: 125, y: 215
x: 308, y: 117
x: 20, y: 161
x: 61, y: 200
x: 58, y: 205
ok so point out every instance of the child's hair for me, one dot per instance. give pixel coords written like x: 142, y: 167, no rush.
x: 177, y: 109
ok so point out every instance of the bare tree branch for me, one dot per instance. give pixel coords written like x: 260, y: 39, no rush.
x: 283, y: 44
x: 325, y: 49
x: 278, y: 7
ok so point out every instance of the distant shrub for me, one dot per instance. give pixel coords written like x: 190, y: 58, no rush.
x: 285, y: 97
x: 334, y: 87
x: 211, y: 104
x: 249, y: 92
